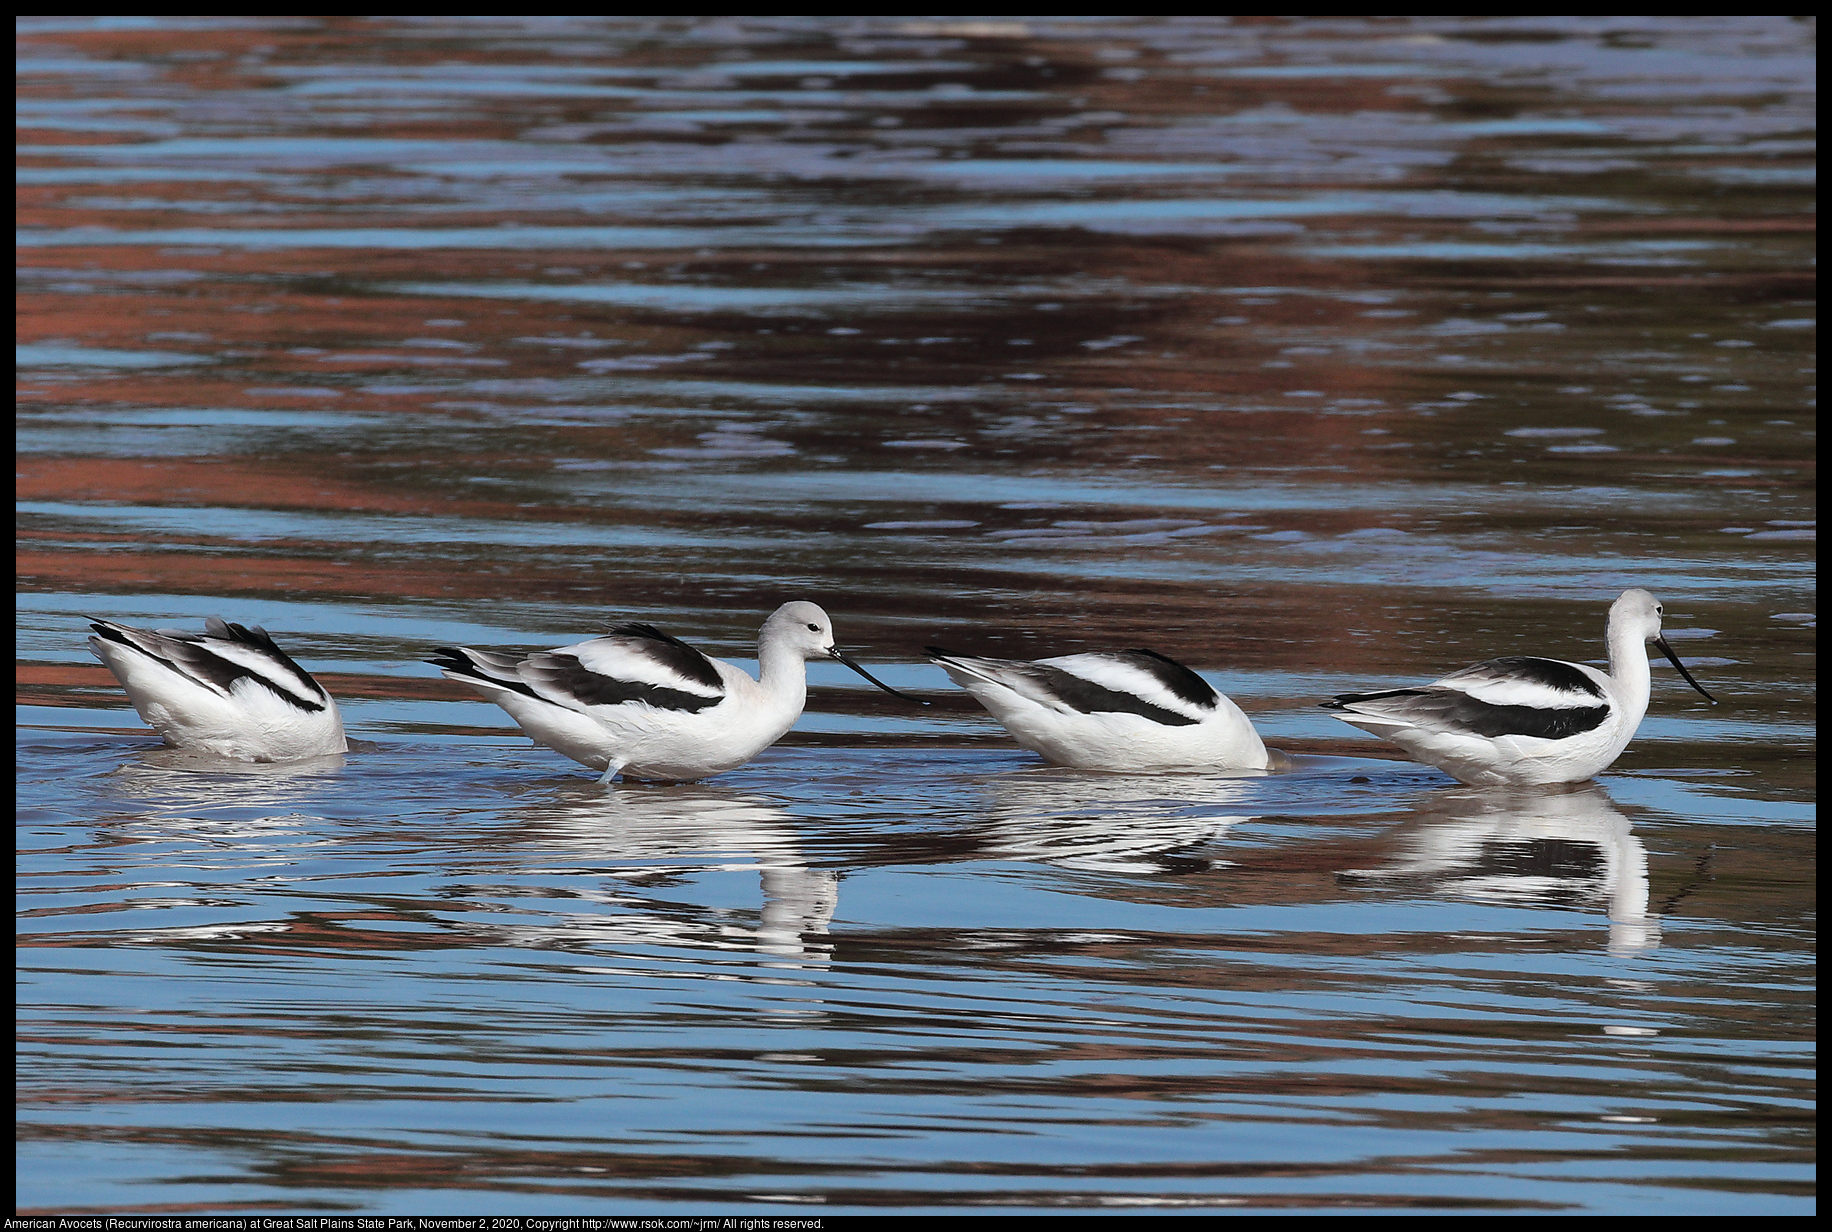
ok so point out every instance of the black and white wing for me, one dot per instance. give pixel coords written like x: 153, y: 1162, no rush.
x: 230, y: 691
x: 632, y: 664
x: 1514, y: 696
x: 1140, y: 682
x: 224, y: 660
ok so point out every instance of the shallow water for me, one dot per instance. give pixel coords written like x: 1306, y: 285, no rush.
x: 1318, y: 354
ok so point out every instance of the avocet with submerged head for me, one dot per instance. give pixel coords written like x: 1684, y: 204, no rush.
x: 1119, y: 710
x: 229, y: 691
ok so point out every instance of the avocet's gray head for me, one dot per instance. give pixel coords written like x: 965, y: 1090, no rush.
x: 803, y: 627
x: 1640, y: 612
x: 800, y: 626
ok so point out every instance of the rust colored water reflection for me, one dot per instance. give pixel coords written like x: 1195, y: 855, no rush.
x: 1319, y: 354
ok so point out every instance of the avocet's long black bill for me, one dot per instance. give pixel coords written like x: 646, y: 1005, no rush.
x: 842, y: 657
x: 1674, y: 660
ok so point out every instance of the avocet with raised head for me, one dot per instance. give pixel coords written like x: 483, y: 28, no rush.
x: 1120, y: 710
x: 1526, y: 721
x: 228, y: 691
x: 640, y: 703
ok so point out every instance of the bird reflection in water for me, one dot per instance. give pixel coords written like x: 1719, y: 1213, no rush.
x: 196, y: 791
x: 656, y: 836
x: 1102, y: 822
x: 653, y: 837
x: 1572, y: 848
x: 174, y: 765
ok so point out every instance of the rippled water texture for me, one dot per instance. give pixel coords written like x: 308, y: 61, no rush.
x: 1319, y: 354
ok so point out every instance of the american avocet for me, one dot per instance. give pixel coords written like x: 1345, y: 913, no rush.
x: 1526, y: 721
x: 1121, y: 710
x: 648, y: 706
x: 228, y: 691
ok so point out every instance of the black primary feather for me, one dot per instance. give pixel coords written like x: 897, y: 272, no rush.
x: 1565, y: 677
x: 672, y: 653
x: 192, y: 657
x: 1090, y: 698
x: 566, y: 673
x: 1446, y: 709
x: 1173, y: 676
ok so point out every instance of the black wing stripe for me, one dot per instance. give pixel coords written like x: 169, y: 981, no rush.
x: 1444, y: 709
x: 1548, y: 672
x: 1173, y: 676
x: 1489, y: 720
x: 193, y: 659
x: 258, y: 638
x: 212, y: 671
x: 672, y: 653
x: 1091, y: 698
x: 566, y: 673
